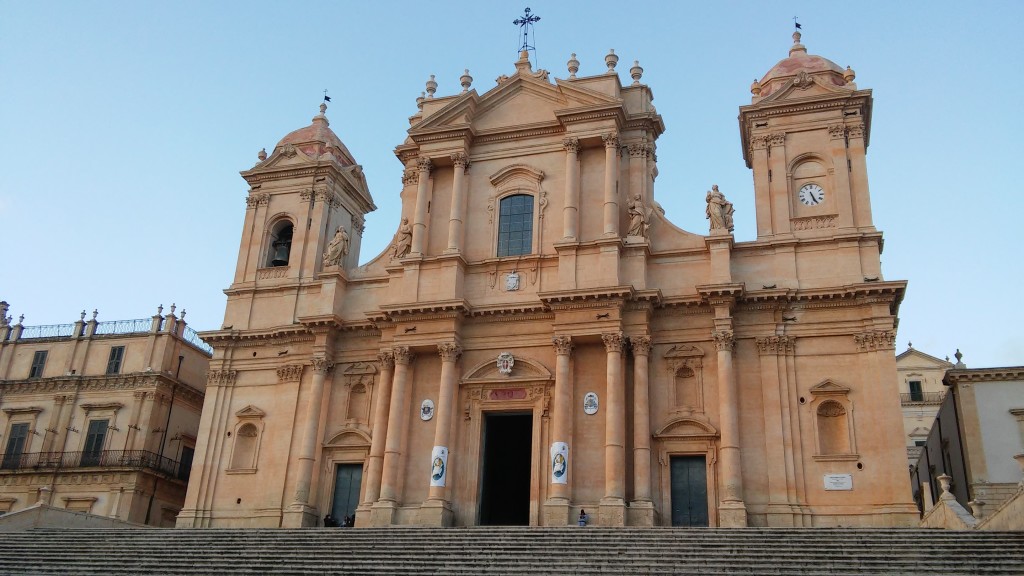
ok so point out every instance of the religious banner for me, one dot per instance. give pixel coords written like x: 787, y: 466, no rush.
x: 559, y: 463
x: 439, y: 465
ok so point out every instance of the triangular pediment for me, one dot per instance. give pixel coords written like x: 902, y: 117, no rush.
x: 684, y: 351
x: 250, y: 411
x: 285, y: 157
x: 829, y: 387
x: 919, y: 432
x: 456, y: 114
x: 360, y: 369
x: 918, y: 359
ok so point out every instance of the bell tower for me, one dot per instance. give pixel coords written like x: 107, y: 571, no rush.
x: 303, y: 222
x: 805, y: 135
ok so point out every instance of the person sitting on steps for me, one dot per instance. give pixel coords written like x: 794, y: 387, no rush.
x: 583, y: 517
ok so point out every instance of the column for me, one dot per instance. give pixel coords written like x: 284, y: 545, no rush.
x: 457, y: 215
x: 310, y: 432
x: 732, y: 511
x: 613, y: 506
x: 437, y: 510
x: 375, y: 461
x: 556, y: 508
x: 384, y: 509
x: 611, y: 170
x: 571, y: 211
x: 419, y: 225
x: 641, y: 431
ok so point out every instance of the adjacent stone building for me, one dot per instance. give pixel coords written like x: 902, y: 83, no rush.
x: 540, y: 339
x: 919, y: 378
x: 100, y: 417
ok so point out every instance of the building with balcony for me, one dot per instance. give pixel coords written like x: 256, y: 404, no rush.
x: 100, y: 417
x: 919, y: 378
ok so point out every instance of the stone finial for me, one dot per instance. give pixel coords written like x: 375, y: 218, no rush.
x: 944, y: 483
x: 797, y: 46
x: 910, y: 345
x: 431, y: 87
x: 21, y: 318
x: 959, y: 362
x: 849, y: 75
x: 611, y: 60
x: 977, y: 508
x: 95, y: 313
x: 466, y: 80
x: 173, y: 306
x: 262, y: 154
x: 574, y: 66
x: 755, y: 88
x: 636, y: 72
x: 82, y: 316
x: 183, y: 312
x: 160, y: 310
x: 420, y: 99
x: 323, y: 108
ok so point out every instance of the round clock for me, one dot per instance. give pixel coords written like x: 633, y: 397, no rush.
x: 811, y: 194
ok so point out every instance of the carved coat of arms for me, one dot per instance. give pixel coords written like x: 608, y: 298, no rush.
x: 505, y: 362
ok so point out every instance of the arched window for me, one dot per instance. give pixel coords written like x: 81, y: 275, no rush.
x: 515, y: 225
x: 244, y: 455
x: 280, y: 246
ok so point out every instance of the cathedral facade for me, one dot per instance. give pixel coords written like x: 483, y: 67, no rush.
x: 539, y: 343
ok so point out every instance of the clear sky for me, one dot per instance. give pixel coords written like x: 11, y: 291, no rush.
x: 124, y: 126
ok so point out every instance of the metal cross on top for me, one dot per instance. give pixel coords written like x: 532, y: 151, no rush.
x: 526, y: 23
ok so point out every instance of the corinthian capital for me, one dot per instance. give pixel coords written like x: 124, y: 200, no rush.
x: 386, y: 359
x: 724, y: 339
x: 449, y: 351
x: 777, y: 139
x: 403, y: 355
x: 321, y: 365
x: 460, y: 160
x: 562, y: 344
x: 641, y: 345
x: 611, y: 140
x: 410, y: 177
x: 613, y: 341
x: 571, y: 145
x: 424, y: 165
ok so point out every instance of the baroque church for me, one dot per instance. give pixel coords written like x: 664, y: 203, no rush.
x: 541, y: 343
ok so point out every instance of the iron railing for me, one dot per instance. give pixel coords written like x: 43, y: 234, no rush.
x: 124, y: 326
x: 140, y: 459
x: 192, y: 337
x: 48, y: 331
x: 921, y: 398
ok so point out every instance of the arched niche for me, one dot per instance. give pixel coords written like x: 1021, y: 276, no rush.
x: 832, y: 412
x: 248, y: 436
x: 685, y: 364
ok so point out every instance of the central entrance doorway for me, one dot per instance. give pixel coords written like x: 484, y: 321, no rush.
x: 347, y: 478
x: 689, y: 491
x: 505, y: 473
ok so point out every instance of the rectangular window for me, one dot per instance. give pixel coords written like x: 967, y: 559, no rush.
x: 114, y: 362
x: 515, y: 225
x: 38, y: 363
x: 16, y: 440
x: 916, y: 395
x: 94, y: 440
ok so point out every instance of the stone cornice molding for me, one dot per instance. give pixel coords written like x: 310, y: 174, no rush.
x: 425, y: 310
x: 999, y: 374
x: 513, y: 312
x: 265, y: 334
x: 566, y: 299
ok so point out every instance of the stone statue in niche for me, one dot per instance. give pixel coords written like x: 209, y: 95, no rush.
x: 403, y: 240
x: 719, y: 210
x: 637, y: 218
x: 337, y: 249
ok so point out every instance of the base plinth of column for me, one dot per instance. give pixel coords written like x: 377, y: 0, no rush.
x: 612, y: 512
x: 382, y: 514
x: 556, y: 512
x: 436, y: 513
x: 363, y: 512
x: 732, y: 515
x: 640, y: 513
x: 300, y: 516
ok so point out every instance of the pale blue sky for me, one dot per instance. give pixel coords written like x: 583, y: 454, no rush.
x: 125, y: 125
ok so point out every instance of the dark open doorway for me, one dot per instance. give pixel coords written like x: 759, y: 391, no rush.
x: 505, y: 481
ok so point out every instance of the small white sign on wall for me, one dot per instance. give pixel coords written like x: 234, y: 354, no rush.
x: 838, y: 482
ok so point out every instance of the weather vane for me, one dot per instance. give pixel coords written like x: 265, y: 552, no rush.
x: 795, y: 23
x: 526, y: 23
x: 326, y: 97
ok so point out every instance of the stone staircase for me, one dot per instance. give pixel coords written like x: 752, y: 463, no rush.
x: 511, y: 551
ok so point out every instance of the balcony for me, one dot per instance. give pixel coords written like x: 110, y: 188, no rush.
x: 912, y: 399
x: 135, y: 459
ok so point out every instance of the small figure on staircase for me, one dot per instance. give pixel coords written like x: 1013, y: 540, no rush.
x: 584, y: 518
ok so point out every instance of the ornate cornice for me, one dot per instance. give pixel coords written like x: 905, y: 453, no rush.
x: 1003, y: 374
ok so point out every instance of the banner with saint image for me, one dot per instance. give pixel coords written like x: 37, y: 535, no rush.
x: 438, y: 465
x: 559, y: 463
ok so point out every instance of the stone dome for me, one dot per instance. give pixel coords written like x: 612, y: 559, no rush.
x: 318, y: 141
x: 799, y: 60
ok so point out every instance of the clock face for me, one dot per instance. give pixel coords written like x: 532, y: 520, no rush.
x: 811, y: 194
